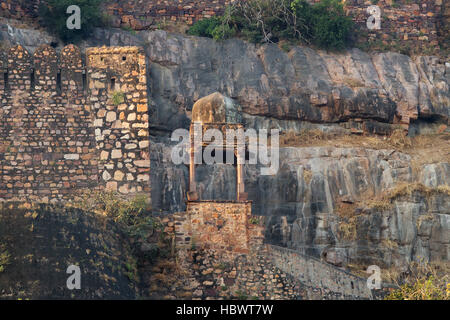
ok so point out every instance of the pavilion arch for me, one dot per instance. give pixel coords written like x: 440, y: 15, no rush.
x: 220, y: 113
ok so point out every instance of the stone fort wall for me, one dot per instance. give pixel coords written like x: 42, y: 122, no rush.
x: 321, y: 279
x: 221, y: 246
x: 406, y: 25
x: 61, y: 131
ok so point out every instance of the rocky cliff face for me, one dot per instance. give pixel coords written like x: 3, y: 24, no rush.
x: 330, y: 201
x: 302, y: 84
x: 317, y: 200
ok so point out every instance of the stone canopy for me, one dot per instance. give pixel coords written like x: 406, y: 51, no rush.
x: 216, y: 108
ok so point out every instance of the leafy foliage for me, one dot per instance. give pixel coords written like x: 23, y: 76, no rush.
x: 205, y: 27
x: 423, y: 282
x: 324, y: 24
x: 330, y: 27
x: 132, y: 215
x: 4, y: 257
x: 53, y: 16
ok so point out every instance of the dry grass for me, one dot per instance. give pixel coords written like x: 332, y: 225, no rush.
x: 385, y: 201
x: 4, y: 257
x: 345, y: 209
x: 390, y: 244
x: 347, y: 228
x: 303, y: 138
x: 421, y: 281
x: 394, y: 275
x: 380, y: 204
x: 408, y: 189
x: 397, y: 141
x: 307, y: 176
x: 353, y: 83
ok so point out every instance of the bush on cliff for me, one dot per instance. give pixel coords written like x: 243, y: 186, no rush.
x: 328, y: 26
x: 53, y: 16
x: 205, y: 27
x: 423, y: 281
x: 323, y: 24
x: 211, y: 28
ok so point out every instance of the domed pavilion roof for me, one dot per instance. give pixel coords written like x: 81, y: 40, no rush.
x: 216, y: 108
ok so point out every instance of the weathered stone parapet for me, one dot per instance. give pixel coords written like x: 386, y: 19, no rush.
x: 329, y: 281
x: 118, y: 91
x: 58, y: 137
x: 405, y: 26
x: 215, y: 224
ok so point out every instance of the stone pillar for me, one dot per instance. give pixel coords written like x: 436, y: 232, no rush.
x: 192, y: 194
x: 241, y: 194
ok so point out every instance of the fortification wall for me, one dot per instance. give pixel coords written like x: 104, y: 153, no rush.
x: 220, y: 225
x: 327, y: 280
x: 24, y: 10
x: 406, y: 26
x: 224, y: 256
x: 57, y: 134
x: 136, y: 13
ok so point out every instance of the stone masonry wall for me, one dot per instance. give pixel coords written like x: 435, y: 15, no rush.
x: 214, y: 224
x: 211, y: 269
x: 329, y: 281
x: 407, y: 26
x: 225, y: 261
x: 140, y: 14
x: 118, y: 96
x: 53, y: 140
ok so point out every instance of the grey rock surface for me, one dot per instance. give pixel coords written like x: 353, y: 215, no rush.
x: 302, y: 84
x: 300, y: 203
x: 295, y: 90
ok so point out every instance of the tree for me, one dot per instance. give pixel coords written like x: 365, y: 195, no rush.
x: 53, y: 16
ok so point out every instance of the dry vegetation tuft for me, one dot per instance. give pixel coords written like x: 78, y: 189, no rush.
x: 423, y: 149
x: 421, y: 281
x: 385, y: 201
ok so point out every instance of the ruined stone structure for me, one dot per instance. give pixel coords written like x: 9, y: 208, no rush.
x: 66, y: 126
x: 408, y: 26
x: 216, y: 112
x: 224, y: 233
x: 220, y: 224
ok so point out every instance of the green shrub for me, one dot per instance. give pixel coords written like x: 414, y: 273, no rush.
x: 4, y: 257
x: 205, y: 27
x: 323, y: 24
x: 222, y: 31
x: 53, y: 16
x: 329, y: 27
